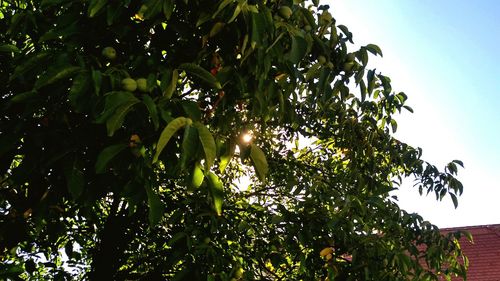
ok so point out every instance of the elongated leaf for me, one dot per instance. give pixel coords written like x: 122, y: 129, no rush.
x: 374, y: 49
x: 216, y: 191
x: 95, y: 6
x: 298, y: 50
x: 156, y: 208
x: 228, y: 155
x: 200, y: 72
x: 77, y: 94
x: 153, y: 112
x: 75, y: 179
x: 113, y: 100
x: 107, y: 155
x: 208, y: 143
x: 169, y: 91
x: 29, y: 64
x: 8, y: 48
x: 259, y: 161
x: 197, y: 176
x: 116, y: 120
x: 168, y: 132
x: 189, y: 145
x: 168, y: 8
x: 55, y: 74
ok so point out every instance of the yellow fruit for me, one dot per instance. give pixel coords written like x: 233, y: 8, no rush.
x: 142, y: 85
x: 189, y: 122
x: 329, y: 257
x: 239, y: 272
x: 326, y: 251
x: 129, y: 84
x: 285, y: 12
x: 109, y: 53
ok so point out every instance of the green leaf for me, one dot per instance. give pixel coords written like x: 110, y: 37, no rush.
x: 116, y: 120
x: 201, y: 73
x: 114, y: 100
x: 170, y: 89
x: 156, y: 208
x: 192, y: 109
x: 454, y: 199
x: 8, y: 48
x: 79, y: 90
x: 106, y: 156
x: 258, y: 29
x: 298, y: 50
x: 168, y: 132
x: 374, y: 49
x: 31, y: 63
x: 153, y: 112
x: 216, y: 191
x: 259, y: 161
x: 55, y: 74
x: 208, y: 144
x: 197, y: 176
x: 95, y: 6
x: 228, y: 155
x: 189, y: 145
x: 168, y: 8
x: 154, y: 7
x: 75, y: 179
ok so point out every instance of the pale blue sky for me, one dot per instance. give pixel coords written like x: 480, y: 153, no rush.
x: 445, y: 55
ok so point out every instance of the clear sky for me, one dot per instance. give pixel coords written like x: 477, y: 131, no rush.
x: 445, y: 55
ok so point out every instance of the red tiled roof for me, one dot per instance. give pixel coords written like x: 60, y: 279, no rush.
x: 483, y: 253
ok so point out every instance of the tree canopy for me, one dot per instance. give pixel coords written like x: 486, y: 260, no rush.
x: 205, y: 140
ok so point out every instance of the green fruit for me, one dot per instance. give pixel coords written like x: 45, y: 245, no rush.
x: 348, y: 66
x: 285, y: 12
x: 321, y: 59
x: 207, y: 240
x: 142, y: 85
x: 307, y: 28
x: 109, y: 53
x: 330, y: 65
x: 129, y: 84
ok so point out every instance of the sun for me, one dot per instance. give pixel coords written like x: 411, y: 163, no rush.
x: 247, y: 137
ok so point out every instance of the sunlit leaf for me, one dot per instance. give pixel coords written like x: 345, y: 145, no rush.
x: 168, y: 132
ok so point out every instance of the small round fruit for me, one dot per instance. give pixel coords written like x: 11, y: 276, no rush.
x: 307, y: 28
x: 206, y: 240
x: 330, y: 65
x: 348, y: 66
x: 142, y: 85
x: 285, y: 12
x: 129, y: 84
x: 321, y: 59
x: 109, y: 53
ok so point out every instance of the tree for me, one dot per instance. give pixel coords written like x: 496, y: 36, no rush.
x: 127, y: 128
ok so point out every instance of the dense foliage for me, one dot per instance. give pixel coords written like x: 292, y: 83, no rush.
x: 204, y: 140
